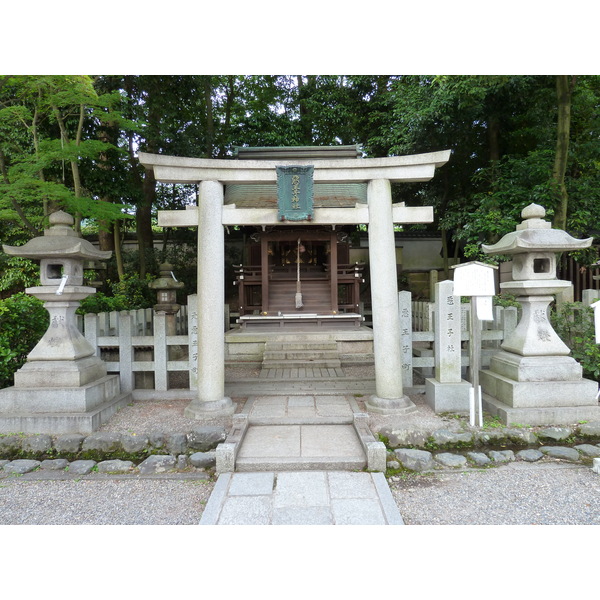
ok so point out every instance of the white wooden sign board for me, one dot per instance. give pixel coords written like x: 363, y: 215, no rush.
x: 476, y: 280
x: 596, y: 307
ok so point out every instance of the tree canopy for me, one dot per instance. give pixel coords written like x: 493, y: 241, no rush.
x: 72, y: 142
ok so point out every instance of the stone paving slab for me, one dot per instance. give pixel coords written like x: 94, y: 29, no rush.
x: 299, y: 409
x: 301, y: 498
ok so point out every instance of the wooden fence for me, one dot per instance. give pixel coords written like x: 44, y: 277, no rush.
x: 149, y: 351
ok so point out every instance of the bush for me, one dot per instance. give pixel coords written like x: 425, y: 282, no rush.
x: 129, y: 294
x: 574, y: 323
x: 23, y: 321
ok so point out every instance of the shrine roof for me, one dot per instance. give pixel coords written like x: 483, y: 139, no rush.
x: 325, y: 195
x: 299, y: 152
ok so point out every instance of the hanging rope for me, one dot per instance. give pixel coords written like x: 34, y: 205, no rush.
x: 298, y: 286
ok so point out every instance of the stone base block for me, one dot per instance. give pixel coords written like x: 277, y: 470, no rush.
x: 539, y: 394
x: 535, y: 368
x: 65, y: 400
x: 198, y: 409
x: 57, y: 423
x: 557, y: 415
x: 375, y: 451
x: 60, y: 373
x: 447, y: 397
x: 390, y: 406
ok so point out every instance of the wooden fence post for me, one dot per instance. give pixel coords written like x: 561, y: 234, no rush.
x: 125, y: 327
x: 161, y: 349
x: 90, y: 328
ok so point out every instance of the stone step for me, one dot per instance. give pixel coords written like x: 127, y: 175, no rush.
x: 301, y: 355
x: 294, y: 360
x: 299, y: 346
x: 288, y: 365
x: 300, y: 447
x: 249, y: 465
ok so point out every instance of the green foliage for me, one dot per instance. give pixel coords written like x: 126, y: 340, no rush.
x: 506, y: 300
x: 23, y: 321
x: 131, y: 293
x: 574, y: 323
x: 16, y: 274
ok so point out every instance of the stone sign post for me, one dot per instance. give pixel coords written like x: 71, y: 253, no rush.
x: 447, y: 391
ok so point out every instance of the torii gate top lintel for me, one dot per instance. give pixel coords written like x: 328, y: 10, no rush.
x: 411, y: 168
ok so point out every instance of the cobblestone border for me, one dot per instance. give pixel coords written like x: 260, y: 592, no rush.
x: 103, y: 446
x: 422, y: 461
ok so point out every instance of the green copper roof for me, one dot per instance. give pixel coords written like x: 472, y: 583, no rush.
x: 293, y: 152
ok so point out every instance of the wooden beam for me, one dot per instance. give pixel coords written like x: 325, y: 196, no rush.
x: 333, y: 271
x: 264, y: 261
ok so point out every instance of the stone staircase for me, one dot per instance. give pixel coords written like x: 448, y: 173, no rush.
x: 300, y: 360
x: 300, y: 433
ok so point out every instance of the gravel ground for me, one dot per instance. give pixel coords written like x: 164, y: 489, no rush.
x: 515, y: 494
x: 552, y: 493
x: 101, y: 500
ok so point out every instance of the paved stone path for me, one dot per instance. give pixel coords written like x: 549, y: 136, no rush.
x: 301, y: 498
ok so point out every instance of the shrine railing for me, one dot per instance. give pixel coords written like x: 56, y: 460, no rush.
x: 150, y: 352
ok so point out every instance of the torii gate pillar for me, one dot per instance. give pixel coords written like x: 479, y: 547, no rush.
x: 211, y: 399
x: 389, y: 397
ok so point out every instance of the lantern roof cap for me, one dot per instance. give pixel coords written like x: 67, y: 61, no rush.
x: 59, y: 241
x: 535, y: 234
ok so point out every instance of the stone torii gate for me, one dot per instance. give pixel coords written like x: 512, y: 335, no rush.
x: 211, y: 216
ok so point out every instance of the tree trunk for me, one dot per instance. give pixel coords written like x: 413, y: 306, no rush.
x: 564, y: 91
x: 74, y: 164
x: 305, y: 116
x: 228, y: 107
x: 117, y: 247
x: 143, y: 221
x: 210, y: 125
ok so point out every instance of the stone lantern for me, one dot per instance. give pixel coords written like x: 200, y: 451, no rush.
x: 166, y: 287
x: 533, y: 380
x: 63, y: 386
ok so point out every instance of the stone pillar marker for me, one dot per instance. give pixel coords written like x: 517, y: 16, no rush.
x: 447, y: 391
x: 405, y: 311
x: 389, y: 397
x: 211, y: 400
